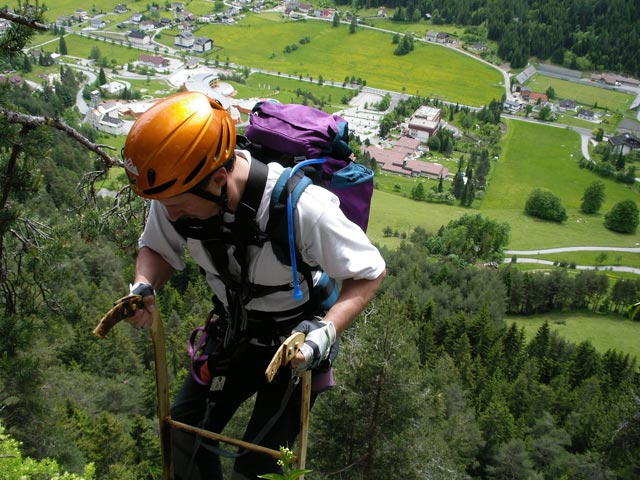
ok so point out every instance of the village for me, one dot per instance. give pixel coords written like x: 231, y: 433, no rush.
x: 185, y: 66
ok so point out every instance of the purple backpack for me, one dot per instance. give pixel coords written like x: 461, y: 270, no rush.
x: 290, y: 134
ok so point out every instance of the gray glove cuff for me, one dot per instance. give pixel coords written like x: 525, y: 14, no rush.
x: 142, y: 289
x: 317, y: 345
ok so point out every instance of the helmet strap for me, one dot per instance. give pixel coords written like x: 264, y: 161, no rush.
x: 220, y: 200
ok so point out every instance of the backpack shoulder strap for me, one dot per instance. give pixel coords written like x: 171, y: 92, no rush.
x: 279, y: 226
x: 284, y: 198
x: 245, y: 228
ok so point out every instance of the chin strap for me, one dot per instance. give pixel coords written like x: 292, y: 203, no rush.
x: 221, y: 199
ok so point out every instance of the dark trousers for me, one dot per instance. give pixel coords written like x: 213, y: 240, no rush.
x: 192, y: 458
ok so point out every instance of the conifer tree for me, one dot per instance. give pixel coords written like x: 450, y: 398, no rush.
x: 379, y: 408
x: 62, y: 46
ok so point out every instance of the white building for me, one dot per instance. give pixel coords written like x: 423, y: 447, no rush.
x: 425, y: 122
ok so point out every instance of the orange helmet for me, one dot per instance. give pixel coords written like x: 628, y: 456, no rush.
x: 176, y: 144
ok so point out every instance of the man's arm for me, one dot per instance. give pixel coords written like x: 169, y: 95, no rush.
x: 151, y: 268
x: 353, y: 298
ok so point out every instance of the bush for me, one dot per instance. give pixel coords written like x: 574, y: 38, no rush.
x: 623, y: 217
x: 544, y: 204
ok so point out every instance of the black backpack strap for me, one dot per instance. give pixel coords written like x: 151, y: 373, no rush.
x: 245, y: 229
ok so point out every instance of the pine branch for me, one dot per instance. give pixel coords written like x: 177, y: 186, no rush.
x: 37, y: 121
x: 22, y: 20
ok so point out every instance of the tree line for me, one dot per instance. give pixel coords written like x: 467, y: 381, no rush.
x: 578, y: 34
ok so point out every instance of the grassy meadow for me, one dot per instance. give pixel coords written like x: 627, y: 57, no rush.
x: 335, y: 54
x: 78, y: 46
x: 603, y: 331
x: 583, y: 93
x: 536, y: 155
x: 285, y: 90
x: 533, y: 155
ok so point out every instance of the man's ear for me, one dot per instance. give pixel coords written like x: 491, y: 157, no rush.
x: 219, y: 178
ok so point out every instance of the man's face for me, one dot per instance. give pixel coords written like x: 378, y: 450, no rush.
x: 187, y: 206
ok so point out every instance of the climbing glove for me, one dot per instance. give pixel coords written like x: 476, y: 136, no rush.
x: 142, y: 289
x: 320, y: 337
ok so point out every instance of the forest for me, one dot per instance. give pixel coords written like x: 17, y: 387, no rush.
x: 578, y: 34
x: 432, y: 382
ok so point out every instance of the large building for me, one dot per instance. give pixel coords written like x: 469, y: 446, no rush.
x: 424, y: 123
x: 402, y: 159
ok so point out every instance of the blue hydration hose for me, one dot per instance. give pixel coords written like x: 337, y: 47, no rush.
x: 297, y: 294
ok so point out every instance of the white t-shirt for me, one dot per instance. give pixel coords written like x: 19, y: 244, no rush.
x: 324, y: 237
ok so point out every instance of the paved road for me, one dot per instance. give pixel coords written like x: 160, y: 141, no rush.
x: 578, y: 267
x: 574, y: 249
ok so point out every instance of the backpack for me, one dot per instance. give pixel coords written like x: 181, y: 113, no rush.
x: 314, y: 148
x: 292, y: 134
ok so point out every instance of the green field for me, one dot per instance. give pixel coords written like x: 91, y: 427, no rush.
x: 335, y: 54
x: 78, y: 46
x: 284, y: 90
x: 533, y: 156
x: 583, y: 93
x: 540, y: 156
x: 603, y: 331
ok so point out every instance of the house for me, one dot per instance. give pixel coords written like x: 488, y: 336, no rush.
x: 431, y: 36
x: 136, y: 17
x: 120, y: 8
x: 478, y: 47
x: 192, y: 62
x: 304, y: 8
x: 113, y: 87
x: 13, y: 80
x: 97, y: 23
x: 185, y: 17
x: 624, y: 142
x: 147, y: 25
x: 153, y: 61
x: 138, y: 37
x: 586, y: 115
x: 177, y: 6
x: 438, y: 37
x: 537, y: 98
x: 64, y: 20
x: 400, y: 160
x: 184, y: 39
x: 425, y: 122
x: 567, y: 105
x: 614, y: 79
x: 202, y: 44
x: 80, y: 15
x: 183, y: 27
x: 511, y: 106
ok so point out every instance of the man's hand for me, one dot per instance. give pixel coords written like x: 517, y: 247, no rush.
x: 320, y: 336
x: 143, y: 318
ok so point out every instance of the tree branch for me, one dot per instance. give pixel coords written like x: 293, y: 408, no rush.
x: 37, y: 121
x: 22, y: 20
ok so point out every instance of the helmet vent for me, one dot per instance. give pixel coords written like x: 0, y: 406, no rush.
x: 159, y: 188
x: 151, y: 176
x: 195, y: 171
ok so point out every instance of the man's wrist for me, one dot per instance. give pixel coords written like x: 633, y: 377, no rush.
x: 141, y: 288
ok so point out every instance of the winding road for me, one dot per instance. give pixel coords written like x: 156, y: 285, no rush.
x: 574, y: 249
